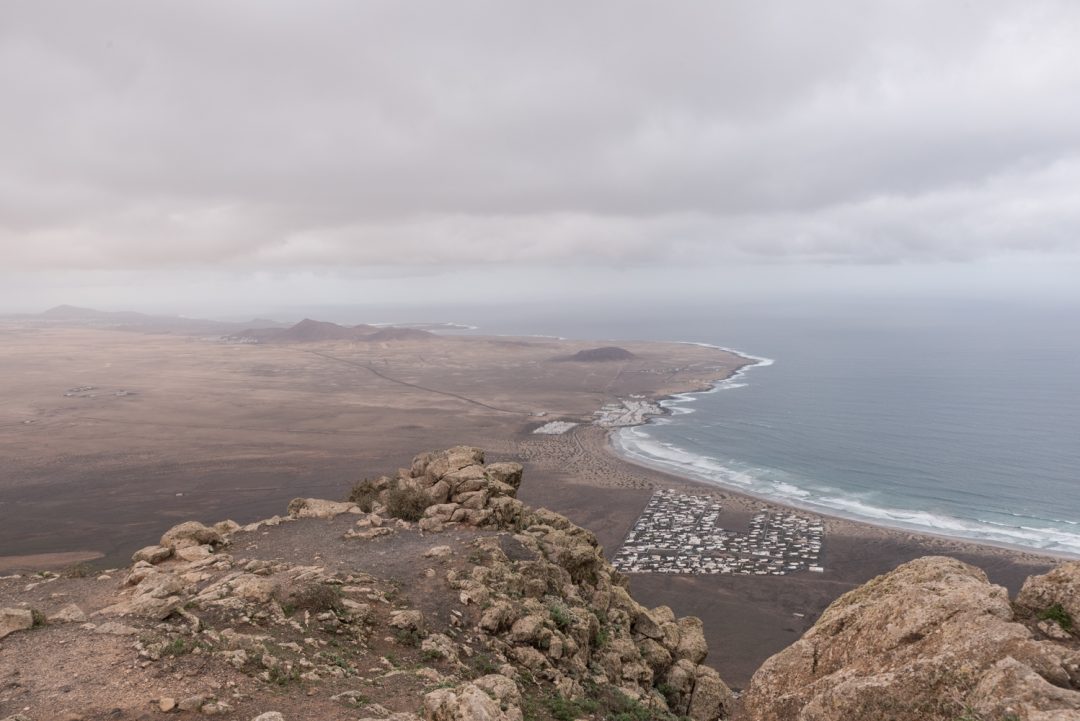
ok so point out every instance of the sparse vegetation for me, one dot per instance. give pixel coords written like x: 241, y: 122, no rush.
x: 39, y: 618
x: 406, y: 502
x: 178, y: 646
x: 560, y: 616
x: 409, y: 637
x: 283, y: 676
x: 563, y: 709
x: 314, y: 597
x: 1057, y: 614
x: 77, y: 570
x: 364, y: 494
x: 482, y: 664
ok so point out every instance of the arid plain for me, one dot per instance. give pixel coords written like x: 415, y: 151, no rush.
x: 108, y: 437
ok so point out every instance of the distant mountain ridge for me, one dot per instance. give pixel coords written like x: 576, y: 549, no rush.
x: 314, y: 331
x: 259, y: 330
x: 600, y: 355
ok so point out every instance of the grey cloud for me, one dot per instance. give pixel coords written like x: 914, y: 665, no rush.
x: 271, y: 134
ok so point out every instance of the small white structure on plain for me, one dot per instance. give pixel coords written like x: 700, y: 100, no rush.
x: 555, y: 428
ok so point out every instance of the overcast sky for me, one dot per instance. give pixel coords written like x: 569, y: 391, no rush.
x: 212, y: 150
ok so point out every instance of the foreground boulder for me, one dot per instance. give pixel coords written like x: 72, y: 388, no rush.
x: 1054, y: 598
x: 15, y: 619
x: 932, y: 640
x: 190, y: 533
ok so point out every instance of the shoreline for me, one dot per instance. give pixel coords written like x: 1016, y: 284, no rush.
x: 664, y: 402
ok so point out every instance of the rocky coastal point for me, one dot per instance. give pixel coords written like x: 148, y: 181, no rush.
x: 437, y: 594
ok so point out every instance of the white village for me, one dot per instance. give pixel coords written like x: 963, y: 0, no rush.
x: 678, y: 533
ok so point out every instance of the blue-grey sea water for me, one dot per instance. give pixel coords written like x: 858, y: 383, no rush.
x: 959, y: 419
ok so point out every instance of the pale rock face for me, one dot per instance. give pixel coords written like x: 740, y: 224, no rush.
x: 692, y: 644
x: 320, y: 508
x: 193, y: 553
x: 497, y: 617
x: 152, y: 554
x: 441, y: 646
x: 464, y: 703
x: 190, y: 533
x: 438, y: 552
x: 710, y: 696
x: 1059, y: 587
x: 15, y: 619
x: 409, y: 620
x: 500, y: 688
x: 508, y: 473
x: 925, y: 642
x: 253, y: 588
x: 68, y: 614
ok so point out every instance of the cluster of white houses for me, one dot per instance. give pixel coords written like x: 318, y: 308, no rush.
x: 679, y: 533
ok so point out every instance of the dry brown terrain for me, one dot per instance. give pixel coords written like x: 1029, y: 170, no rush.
x: 211, y: 430
x: 177, y: 427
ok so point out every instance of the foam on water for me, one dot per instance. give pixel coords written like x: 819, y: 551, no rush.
x: 637, y: 444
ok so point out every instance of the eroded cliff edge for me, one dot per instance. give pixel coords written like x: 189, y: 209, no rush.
x: 437, y: 594
x: 468, y: 605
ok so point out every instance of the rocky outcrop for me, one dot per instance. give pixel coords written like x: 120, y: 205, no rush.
x: 931, y: 640
x: 447, y: 487
x: 15, y: 619
x: 520, y: 614
x: 1054, y: 599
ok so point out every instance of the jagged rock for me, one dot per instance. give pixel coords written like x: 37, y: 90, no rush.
x: 254, y: 588
x: 645, y: 625
x: 145, y: 607
x: 68, y: 614
x: 454, y: 459
x: 528, y: 657
x: 190, y: 554
x: 497, y: 617
x: 190, y: 533
x: 654, y: 654
x: 440, y: 646
x: 15, y: 619
x: 152, y: 554
x: 504, y: 690
x: 465, y: 703
x: 408, y: 620
x: 692, y: 644
x: 529, y: 629
x: 215, y: 708
x: 226, y: 527
x: 370, y: 533
x: 508, y: 473
x: 438, y: 552
x: 925, y: 642
x: 269, y: 716
x: 191, y: 703
x: 1059, y: 587
x: 114, y: 628
x: 319, y: 508
x: 711, y: 698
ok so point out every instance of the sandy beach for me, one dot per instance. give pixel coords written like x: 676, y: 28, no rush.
x: 747, y: 618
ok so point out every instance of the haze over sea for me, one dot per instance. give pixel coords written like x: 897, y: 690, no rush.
x: 959, y: 419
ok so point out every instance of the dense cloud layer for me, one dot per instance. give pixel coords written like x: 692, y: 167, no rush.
x: 307, y: 134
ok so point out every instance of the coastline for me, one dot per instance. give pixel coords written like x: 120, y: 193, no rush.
x: 836, y: 518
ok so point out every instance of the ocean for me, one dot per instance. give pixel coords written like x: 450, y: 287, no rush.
x: 960, y: 419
